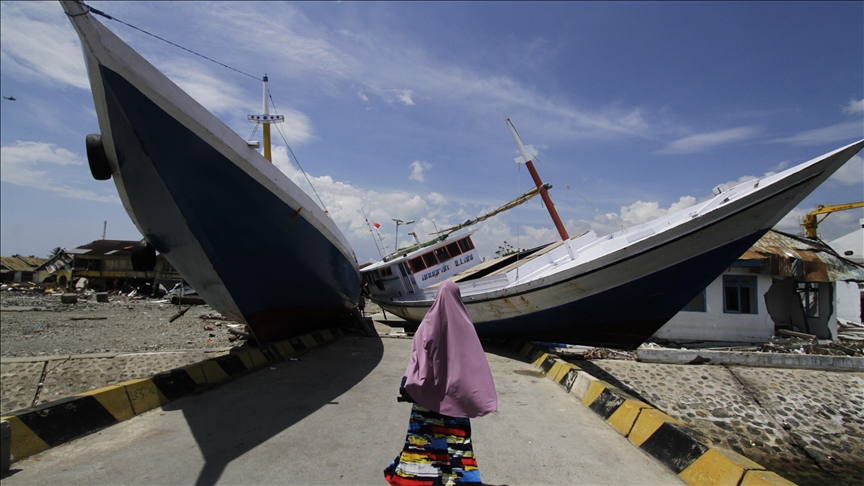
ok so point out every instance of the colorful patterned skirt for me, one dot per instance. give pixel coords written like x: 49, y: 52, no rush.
x: 437, y: 451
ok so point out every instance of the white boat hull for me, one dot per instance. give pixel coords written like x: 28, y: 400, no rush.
x: 616, y: 292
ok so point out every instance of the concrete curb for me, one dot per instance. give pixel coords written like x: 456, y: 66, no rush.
x: 676, y: 446
x: 36, y: 429
x: 766, y: 360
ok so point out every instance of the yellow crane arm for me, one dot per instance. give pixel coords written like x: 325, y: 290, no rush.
x: 810, y: 223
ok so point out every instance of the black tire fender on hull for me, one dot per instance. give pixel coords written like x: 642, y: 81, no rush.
x: 96, y: 157
x: 143, y: 257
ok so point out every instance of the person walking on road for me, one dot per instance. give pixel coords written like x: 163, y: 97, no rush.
x: 449, y: 382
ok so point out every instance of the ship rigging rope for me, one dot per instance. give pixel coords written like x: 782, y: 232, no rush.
x: 567, y: 185
x: 297, y: 161
x: 103, y: 14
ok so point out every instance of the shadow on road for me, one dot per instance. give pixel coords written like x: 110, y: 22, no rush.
x: 229, y: 421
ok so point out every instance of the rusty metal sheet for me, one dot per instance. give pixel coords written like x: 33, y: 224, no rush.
x: 803, y: 259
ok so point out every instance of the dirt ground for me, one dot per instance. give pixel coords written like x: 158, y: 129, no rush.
x: 32, y: 324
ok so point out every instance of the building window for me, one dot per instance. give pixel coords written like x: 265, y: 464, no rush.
x: 697, y: 304
x: 809, y: 294
x: 739, y: 294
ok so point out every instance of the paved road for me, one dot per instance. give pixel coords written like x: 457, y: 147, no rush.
x: 332, y: 418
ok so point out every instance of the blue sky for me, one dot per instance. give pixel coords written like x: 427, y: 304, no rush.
x: 399, y: 108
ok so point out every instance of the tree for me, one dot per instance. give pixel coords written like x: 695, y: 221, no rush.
x: 56, y: 251
x: 505, y: 249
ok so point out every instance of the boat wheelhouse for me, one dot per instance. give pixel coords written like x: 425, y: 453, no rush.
x: 410, y: 271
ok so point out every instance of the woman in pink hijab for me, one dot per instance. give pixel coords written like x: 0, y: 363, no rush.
x: 449, y: 381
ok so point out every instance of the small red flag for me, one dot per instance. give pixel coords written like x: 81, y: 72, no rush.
x: 376, y: 225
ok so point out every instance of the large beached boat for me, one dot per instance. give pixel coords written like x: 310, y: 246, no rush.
x: 612, y: 291
x: 254, y: 245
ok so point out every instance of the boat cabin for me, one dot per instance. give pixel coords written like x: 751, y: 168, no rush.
x: 410, y: 270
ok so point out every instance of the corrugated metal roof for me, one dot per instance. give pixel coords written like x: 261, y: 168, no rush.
x: 16, y: 264
x: 803, y: 259
x: 105, y: 247
x: 751, y: 255
x: 33, y: 261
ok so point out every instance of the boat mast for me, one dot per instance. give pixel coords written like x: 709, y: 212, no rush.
x: 266, y: 119
x: 526, y: 158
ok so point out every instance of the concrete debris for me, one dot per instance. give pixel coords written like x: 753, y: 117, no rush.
x: 807, y: 345
x: 182, y: 290
x: 850, y: 330
x: 605, y: 353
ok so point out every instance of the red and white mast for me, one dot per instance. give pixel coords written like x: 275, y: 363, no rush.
x: 526, y: 158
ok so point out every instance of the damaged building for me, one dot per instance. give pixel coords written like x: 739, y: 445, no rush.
x: 56, y: 269
x: 781, y: 282
x: 112, y: 264
x: 19, y: 268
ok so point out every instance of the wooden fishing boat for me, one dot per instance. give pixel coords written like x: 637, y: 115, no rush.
x: 254, y: 246
x: 614, y: 290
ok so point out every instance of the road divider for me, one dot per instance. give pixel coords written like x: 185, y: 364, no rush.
x: 683, y: 450
x: 39, y: 428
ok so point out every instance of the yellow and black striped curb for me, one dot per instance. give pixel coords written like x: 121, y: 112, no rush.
x: 51, y: 424
x: 675, y: 445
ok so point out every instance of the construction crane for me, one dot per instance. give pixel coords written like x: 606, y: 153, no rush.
x: 810, y: 222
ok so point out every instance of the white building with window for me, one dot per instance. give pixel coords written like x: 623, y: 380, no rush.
x: 782, y: 282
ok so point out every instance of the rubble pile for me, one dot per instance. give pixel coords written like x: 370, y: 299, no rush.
x: 850, y: 331
x: 35, y: 322
x: 801, y: 343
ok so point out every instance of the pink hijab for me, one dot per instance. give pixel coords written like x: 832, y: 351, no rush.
x: 448, y: 372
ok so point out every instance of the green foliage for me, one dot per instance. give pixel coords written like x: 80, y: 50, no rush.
x: 505, y: 249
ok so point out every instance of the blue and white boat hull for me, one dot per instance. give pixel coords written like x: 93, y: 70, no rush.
x: 618, y: 290
x: 253, y: 245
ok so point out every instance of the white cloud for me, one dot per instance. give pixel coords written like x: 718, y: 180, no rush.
x: 854, y: 106
x: 28, y: 164
x: 417, y: 169
x: 746, y: 178
x: 436, y: 198
x: 297, y: 128
x: 347, y: 203
x: 835, y: 133
x: 642, y: 212
x: 707, y: 141
x: 39, y: 44
x: 212, y: 91
x: 351, y: 57
x: 779, y: 167
x: 405, y: 96
x: 851, y: 173
x: 636, y: 213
